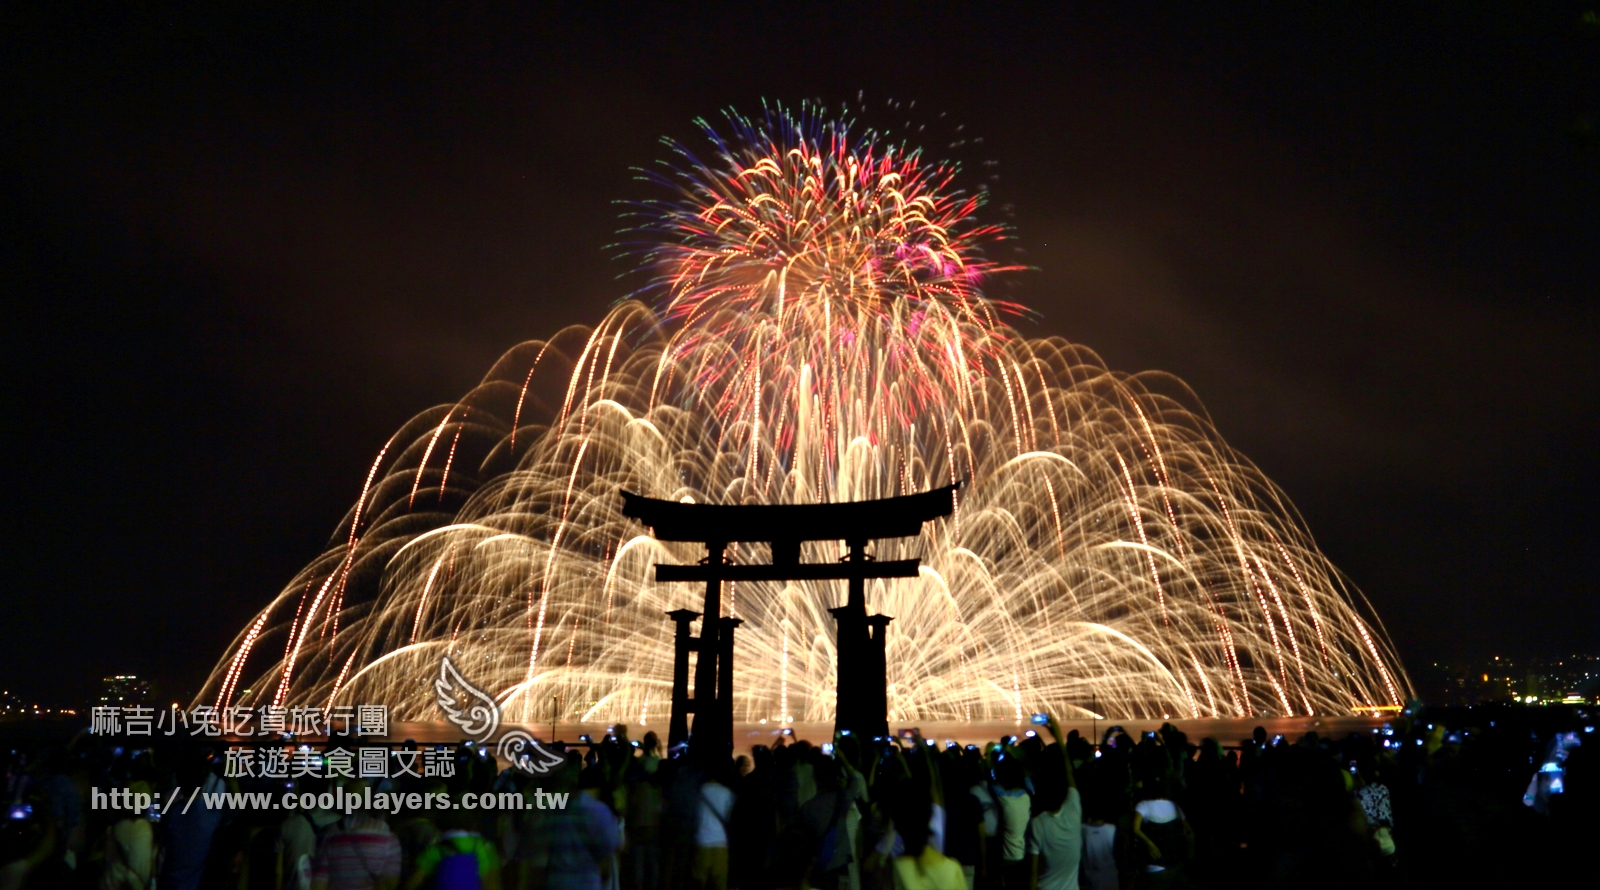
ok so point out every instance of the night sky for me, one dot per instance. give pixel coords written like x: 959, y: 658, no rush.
x: 241, y: 248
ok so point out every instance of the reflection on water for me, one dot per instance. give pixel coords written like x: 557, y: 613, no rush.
x: 747, y: 735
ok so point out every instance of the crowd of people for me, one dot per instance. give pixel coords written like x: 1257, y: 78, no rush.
x: 1402, y: 806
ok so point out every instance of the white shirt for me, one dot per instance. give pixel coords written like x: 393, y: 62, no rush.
x: 1157, y: 811
x: 936, y: 828
x: 1058, y: 837
x: 1099, y: 857
x: 991, y: 817
x: 716, y: 806
x: 1014, y: 807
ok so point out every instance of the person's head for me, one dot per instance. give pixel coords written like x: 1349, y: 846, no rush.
x: 744, y: 765
x: 457, y: 819
x: 1155, y: 788
x: 1259, y: 735
x: 593, y: 778
x: 362, y: 817
x: 192, y: 766
x: 1050, y: 783
x: 825, y: 771
x: 1099, y: 805
x: 1177, y: 739
x: 1008, y: 772
x: 1078, y: 749
x: 725, y: 772
x: 651, y: 744
x: 912, y: 812
x: 782, y: 755
x: 565, y: 776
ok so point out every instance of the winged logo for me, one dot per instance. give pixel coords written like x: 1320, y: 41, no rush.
x: 477, y: 714
x: 471, y: 709
x: 524, y: 752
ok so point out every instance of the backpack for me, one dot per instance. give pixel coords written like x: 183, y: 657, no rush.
x: 458, y: 870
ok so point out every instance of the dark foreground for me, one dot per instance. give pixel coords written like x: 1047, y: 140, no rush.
x: 1439, y: 799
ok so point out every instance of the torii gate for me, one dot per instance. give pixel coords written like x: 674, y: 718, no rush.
x: 863, y: 700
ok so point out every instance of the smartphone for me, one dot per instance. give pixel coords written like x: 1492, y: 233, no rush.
x: 21, y: 810
x: 153, y: 813
x: 1353, y: 769
x: 827, y: 749
x: 1040, y: 719
x: 908, y: 733
x: 844, y: 732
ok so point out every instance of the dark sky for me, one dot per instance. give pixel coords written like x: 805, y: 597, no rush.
x: 241, y: 248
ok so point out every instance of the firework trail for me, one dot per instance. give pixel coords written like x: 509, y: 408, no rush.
x: 817, y: 331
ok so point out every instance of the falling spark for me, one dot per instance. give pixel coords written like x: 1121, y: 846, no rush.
x: 815, y: 329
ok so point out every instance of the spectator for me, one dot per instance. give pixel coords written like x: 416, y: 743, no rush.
x: 1099, y: 858
x: 460, y: 859
x: 1055, y: 833
x: 963, y: 833
x: 827, y: 818
x: 297, y: 839
x: 1014, y: 805
x: 920, y: 866
x: 579, y: 839
x: 645, y: 804
x: 360, y: 854
x: 186, y: 835
x: 1161, y: 828
x: 26, y: 843
x: 130, y: 848
x: 711, y: 833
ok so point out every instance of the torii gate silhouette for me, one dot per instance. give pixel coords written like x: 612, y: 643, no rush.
x: 863, y: 700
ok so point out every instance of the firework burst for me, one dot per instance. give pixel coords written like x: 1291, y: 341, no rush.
x: 816, y: 330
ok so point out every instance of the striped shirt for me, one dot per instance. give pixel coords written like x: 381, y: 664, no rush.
x: 356, y: 859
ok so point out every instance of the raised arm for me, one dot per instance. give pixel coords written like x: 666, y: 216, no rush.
x: 1061, y: 742
x: 935, y: 787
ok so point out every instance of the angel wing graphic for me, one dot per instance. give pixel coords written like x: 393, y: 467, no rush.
x: 471, y: 709
x: 525, y: 753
